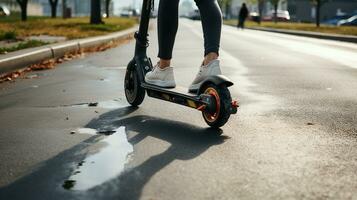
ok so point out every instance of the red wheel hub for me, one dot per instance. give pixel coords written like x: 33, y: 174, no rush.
x: 211, y: 117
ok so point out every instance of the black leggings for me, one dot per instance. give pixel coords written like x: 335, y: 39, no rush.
x: 211, y: 18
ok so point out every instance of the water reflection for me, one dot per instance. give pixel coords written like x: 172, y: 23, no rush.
x: 104, y: 165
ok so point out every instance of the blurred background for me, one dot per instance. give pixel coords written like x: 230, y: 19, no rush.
x: 51, y: 21
x: 330, y: 12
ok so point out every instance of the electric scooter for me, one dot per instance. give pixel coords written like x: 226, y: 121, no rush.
x: 212, y: 98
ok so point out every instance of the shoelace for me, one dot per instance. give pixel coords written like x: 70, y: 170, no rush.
x: 154, y: 68
x: 200, y: 71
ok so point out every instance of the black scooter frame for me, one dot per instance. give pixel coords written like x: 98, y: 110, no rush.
x: 142, y: 63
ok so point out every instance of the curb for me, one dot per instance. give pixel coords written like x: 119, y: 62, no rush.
x: 326, y: 36
x: 23, y: 58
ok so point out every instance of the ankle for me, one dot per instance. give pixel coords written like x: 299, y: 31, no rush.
x: 210, y: 57
x: 164, y: 63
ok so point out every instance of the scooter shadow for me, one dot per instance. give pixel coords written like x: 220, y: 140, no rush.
x: 186, y: 142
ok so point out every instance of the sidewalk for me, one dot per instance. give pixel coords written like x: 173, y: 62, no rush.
x: 24, y: 58
x: 337, y: 37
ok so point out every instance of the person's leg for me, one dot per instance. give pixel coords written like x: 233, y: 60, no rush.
x: 167, y: 18
x: 211, y: 18
x: 240, y: 23
x: 167, y: 27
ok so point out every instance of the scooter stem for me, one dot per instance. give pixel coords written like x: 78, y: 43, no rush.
x: 141, y: 36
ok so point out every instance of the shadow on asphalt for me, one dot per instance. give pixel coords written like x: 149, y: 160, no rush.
x: 186, y: 142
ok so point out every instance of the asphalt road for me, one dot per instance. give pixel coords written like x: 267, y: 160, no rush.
x: 294, y: 137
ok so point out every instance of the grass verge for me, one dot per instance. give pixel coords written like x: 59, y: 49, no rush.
x: 343, y: 30
x: 8, y: 35
x: 51, y: 63
x: 22, y: 45
x: 72, y: 28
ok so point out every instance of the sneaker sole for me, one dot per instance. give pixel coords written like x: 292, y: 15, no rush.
x: 160, y: 83
x: 194, y: 87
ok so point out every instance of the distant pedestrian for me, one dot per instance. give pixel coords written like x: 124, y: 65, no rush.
x: 243, y: 14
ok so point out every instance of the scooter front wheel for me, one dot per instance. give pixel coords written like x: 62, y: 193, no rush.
x: 134, y: 93
x: 222, y: 100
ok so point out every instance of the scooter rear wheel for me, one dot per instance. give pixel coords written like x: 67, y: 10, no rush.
x: 223, y: 100
x: 134, y: 93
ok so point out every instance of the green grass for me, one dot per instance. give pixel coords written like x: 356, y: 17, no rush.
x: 12, y: 28
x: 22, y: 45
x: 72, y: 28
x: 344, y: 30
x: 9, y: 35
x: 14, y: 17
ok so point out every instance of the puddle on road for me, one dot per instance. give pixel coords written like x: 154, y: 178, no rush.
x: 111, y: 104
x: 88, y: 131
x: 104, y: 165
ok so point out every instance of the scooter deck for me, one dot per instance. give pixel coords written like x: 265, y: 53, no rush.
x: 179, y: 95
x: 176, y: 90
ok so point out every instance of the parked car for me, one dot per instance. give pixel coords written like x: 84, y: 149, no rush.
x: 4, y: 11
x: 282, y: 15
x: 254, y: 16
x: 195, y: 15
x: 336, y: 19
x: 352, y: 21
x: 128, y: 12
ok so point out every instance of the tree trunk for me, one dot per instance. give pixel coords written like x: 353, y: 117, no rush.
x: 275, y: 13
x: 64, y: 8
x: 24, y: 12
x: 228, y: 10
x: 318, y: 6
x: 95, y: 16
x: 107, y: 5
x: 23, y: 6
x: 53, y: 4
x: 260, y: 10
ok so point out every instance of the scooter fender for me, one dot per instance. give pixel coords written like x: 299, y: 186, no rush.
x: 216, y: 80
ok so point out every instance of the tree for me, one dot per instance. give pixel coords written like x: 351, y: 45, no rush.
x: 107, y: 6
x: 11, y: 3
x: 226, y: 4
x: 53, y: 4
x: 318, y: 4
x: 64, y: 7
x: 260, y: 9
x: 260, y: 4
x: 23, y: 7
x: 275, y: 4
x: 228, y: 8
x: 95, y: 15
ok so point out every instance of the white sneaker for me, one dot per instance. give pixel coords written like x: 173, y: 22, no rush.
x: 161, y: 77
x: 210, y: 69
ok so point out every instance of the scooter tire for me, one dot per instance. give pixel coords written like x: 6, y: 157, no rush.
x: 134, y: 93
x: 223, y: 103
